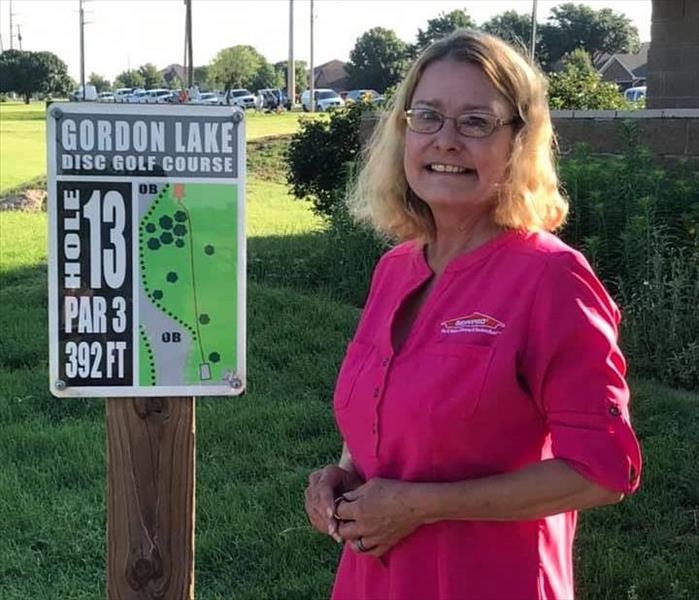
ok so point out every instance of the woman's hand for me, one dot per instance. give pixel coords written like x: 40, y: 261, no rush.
x: 378, y: 514
x: 324, y: 486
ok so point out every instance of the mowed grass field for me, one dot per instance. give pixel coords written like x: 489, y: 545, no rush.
x: 23, y: 138
x: 254, y: 453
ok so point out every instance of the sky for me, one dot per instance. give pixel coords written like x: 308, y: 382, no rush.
x: 123, y: 34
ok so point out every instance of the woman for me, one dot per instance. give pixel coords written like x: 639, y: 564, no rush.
x: 482, y: 400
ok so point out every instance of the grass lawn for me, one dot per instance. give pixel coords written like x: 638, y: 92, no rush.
x: 23, y: 138
x: 254, y: 453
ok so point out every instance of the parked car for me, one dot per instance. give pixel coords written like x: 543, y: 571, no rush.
x: 122, y: 94
x: 241, y: 97
x: 138, y: 96
x: 207, y: 98
x: 158, y: 96
x: 356, y: 95
x: 325, y: 99
x: 634, y: 94
x: 105, y: 97
x: 274, y: 97
x: 90, y: 94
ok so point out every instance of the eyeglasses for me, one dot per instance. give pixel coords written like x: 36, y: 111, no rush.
x: 474, y: 125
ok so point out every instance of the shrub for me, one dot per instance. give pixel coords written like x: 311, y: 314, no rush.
x: 320, y: 156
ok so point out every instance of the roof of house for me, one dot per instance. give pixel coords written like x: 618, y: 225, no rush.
x: 635, y: 64
x: 333, y: 70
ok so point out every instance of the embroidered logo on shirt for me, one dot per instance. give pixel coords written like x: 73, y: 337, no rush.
x: 474, y: 323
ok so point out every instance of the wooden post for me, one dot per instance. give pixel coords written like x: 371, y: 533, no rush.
x: 150, y: 498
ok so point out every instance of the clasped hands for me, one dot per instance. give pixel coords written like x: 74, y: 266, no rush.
x: 373, y: 516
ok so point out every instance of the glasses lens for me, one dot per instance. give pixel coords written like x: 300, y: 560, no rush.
x: 424, y: 121
x: 476, y: 125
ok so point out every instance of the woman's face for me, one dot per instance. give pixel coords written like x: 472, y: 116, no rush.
x: 453, y: 173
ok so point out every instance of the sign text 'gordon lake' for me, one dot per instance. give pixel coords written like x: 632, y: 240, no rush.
x: 161, y: 147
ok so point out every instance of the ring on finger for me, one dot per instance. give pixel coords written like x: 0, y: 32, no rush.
x: 360, y: 545
x: 337, y: 504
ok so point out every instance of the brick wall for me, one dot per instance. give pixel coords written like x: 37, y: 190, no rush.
x: 670, y: 134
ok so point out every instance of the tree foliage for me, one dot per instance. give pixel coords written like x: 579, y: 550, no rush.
x: 441, y: 26
x: 580, y: 87
x: 300, y: 74
x: 151, y: 77
x: 377, y: 61
x: 572, y: 26
x: 266, y: 76
x: 511, y: 26
x: 27, y: 73
x: 236, y: 67
x: 101, y: 84
x: 129, y: 79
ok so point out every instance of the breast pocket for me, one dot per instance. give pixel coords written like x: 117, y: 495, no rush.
x: 457, y: 378
x: 356, y: 358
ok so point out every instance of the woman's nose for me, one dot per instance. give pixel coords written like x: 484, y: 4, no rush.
x: 448, y: 137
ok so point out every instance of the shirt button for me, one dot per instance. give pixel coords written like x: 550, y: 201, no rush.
x: 373, y: 429
x: 385, y: 362
x: 376, y: 392
x: 614, y: 411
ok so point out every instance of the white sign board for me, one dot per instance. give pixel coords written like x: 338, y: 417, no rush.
x: 146, y: 250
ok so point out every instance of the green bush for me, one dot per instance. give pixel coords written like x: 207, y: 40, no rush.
x: 580, y: 87
x: 320, y: 156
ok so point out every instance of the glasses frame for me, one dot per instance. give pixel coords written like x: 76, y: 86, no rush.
x: 499, y: 122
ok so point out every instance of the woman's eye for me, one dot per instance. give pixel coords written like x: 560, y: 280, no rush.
x: 477, y: 122
x: 428, y: 115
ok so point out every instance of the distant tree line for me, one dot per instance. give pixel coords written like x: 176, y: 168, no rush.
x: 378, y: 60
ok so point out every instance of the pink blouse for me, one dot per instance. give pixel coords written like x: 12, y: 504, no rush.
x: 512, y: 359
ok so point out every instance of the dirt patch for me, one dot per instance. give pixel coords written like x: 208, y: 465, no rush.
x: 29, y: 200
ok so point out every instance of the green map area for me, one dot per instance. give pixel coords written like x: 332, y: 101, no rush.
x: 188, y: 265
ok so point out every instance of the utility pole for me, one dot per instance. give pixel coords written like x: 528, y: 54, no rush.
x: 11, y: 28
x: 82, y: 49
x: 19, y: 37
x: 532, y: 39
x: 291, y: 66
x: 189, y: 66
x: 311, y: 75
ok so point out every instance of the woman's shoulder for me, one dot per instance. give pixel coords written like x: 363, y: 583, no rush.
x: 547, y: 249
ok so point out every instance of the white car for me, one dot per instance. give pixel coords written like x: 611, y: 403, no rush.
x: 634, y: 94
x: 241, y: 97
x: 158, y: 96
x: 207, y: 98
x: 325, y: 99
x: 122, y: 94
x: 105, y: 97
x: 138, y: 96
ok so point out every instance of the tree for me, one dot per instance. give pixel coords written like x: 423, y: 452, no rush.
x: 26, y: 73
x: 129, y: 79
x: 235, y: 67
x: 151, y: 77
x: 300, y: 74
x: 101, y: 84
x: 266, y: 77
x: 580, y: 87
x: 202, y: 76
x: 377, y: 60
x: 512, y: 27
x: 441, y: 26
x: 574, y: 26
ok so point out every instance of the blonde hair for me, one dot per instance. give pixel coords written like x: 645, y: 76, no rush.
x: 528, y: 199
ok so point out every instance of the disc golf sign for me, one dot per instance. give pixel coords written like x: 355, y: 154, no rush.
x: 146, y: 250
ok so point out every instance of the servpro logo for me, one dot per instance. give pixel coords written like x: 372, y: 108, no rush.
x: 474, y: 323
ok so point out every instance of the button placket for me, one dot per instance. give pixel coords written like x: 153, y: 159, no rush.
x: 378, y: 397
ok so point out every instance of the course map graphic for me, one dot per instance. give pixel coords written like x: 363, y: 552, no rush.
x: 188, y: 292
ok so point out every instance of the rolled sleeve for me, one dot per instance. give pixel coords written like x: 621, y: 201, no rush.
x: 575, y: 372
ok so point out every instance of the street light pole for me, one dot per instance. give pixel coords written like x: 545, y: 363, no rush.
x: 532, y: 39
